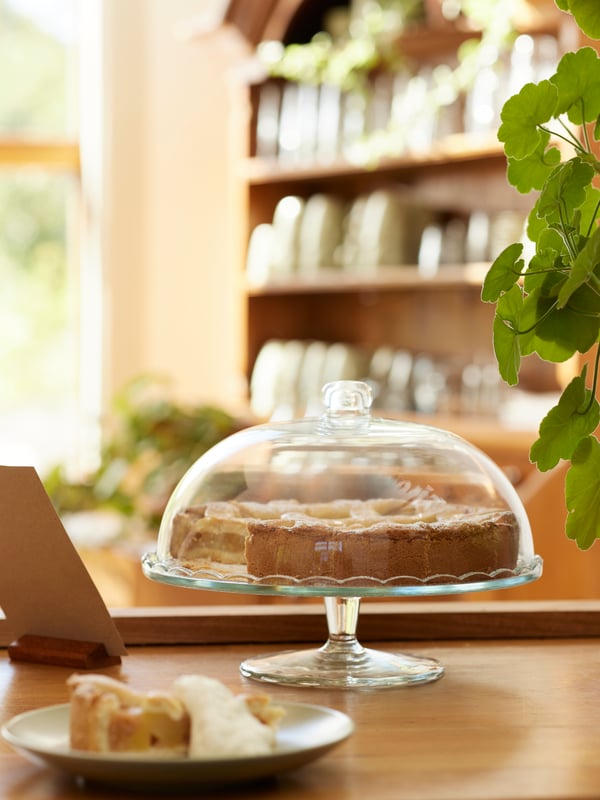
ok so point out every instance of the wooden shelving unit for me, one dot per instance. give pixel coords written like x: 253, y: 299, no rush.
x: 391, y: 305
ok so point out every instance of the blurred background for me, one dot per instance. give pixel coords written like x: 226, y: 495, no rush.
x: 208, y: 208
x: 109, y: 244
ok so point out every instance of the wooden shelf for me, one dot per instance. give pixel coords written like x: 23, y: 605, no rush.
x: 453, y: 151
x: 59, y: 154
x: 450, y: 276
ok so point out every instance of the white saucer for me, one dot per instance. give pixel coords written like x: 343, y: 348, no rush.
x: 306, y: 732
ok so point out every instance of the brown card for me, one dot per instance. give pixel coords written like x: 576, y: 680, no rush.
x: 45, y: 589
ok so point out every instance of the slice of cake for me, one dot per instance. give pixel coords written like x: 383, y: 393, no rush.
x: 199, y: 717
x: 108, y: 716
x: 217, y: 531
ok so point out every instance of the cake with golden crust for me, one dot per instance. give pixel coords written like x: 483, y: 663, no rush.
x: 198, y: 717
x: 438, y: 551
x: 415, y: 536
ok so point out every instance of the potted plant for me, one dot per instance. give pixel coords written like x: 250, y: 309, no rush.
x: 551, y: 305
x: 149, y: 442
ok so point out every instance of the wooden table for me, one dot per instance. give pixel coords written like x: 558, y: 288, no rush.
x: 517, y: 714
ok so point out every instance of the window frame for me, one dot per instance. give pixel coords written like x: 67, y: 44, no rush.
x: 61, y: 155
x: 78, y: 156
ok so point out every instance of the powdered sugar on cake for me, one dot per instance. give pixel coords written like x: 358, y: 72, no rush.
x: 221, y: 723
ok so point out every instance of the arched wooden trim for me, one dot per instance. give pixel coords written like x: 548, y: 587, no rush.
x: 251, y: 18
x: 255, y: 20
x: 280, y: 19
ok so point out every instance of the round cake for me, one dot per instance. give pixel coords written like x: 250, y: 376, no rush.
x: 418, y: 538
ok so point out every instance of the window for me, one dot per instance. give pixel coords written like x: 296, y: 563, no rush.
x: 40, y: 200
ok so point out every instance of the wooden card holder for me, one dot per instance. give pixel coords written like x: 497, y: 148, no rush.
x: 61, y: 652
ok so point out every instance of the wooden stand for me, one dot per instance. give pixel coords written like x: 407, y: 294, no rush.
x: 61, y: 652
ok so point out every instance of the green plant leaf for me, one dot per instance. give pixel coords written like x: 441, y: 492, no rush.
x: 537, y: 270
x: 504, y: 272
x: 549, y: 241
x: 531, y: 172
x: 589, y: 210
x: 582, y: 493
x: 535, y: 223
x: 522, y: 113
x: 543, y: 270
x: 540, y: 331
x: 577, y: 80
x: 528, y: 321
x: 506, y: 340
x: 583, y: 267
x: 563, y: 332
x: 586, y: 13
x: 565, y: 424
x: 565, y: 190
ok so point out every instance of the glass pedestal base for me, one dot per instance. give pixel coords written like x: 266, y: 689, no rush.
x: 342, y: 661
x: 363, y: 667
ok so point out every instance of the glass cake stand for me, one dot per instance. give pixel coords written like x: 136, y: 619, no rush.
x: 289, y: 478
x: 342, y: 661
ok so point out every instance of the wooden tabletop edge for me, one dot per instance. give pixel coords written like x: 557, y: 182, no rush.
x: 378, y: 621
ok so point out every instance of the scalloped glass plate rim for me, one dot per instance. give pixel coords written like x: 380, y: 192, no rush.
x: 165, y: 572
x: 306, y: 732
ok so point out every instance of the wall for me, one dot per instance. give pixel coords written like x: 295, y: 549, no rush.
x: 170, y: 300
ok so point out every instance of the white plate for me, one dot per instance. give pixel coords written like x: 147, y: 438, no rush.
x: 306, y: 732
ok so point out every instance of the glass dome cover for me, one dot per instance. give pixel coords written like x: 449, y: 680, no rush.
x: 344, y: 503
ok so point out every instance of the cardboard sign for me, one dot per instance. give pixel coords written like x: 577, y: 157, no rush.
x: 45, y: 589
